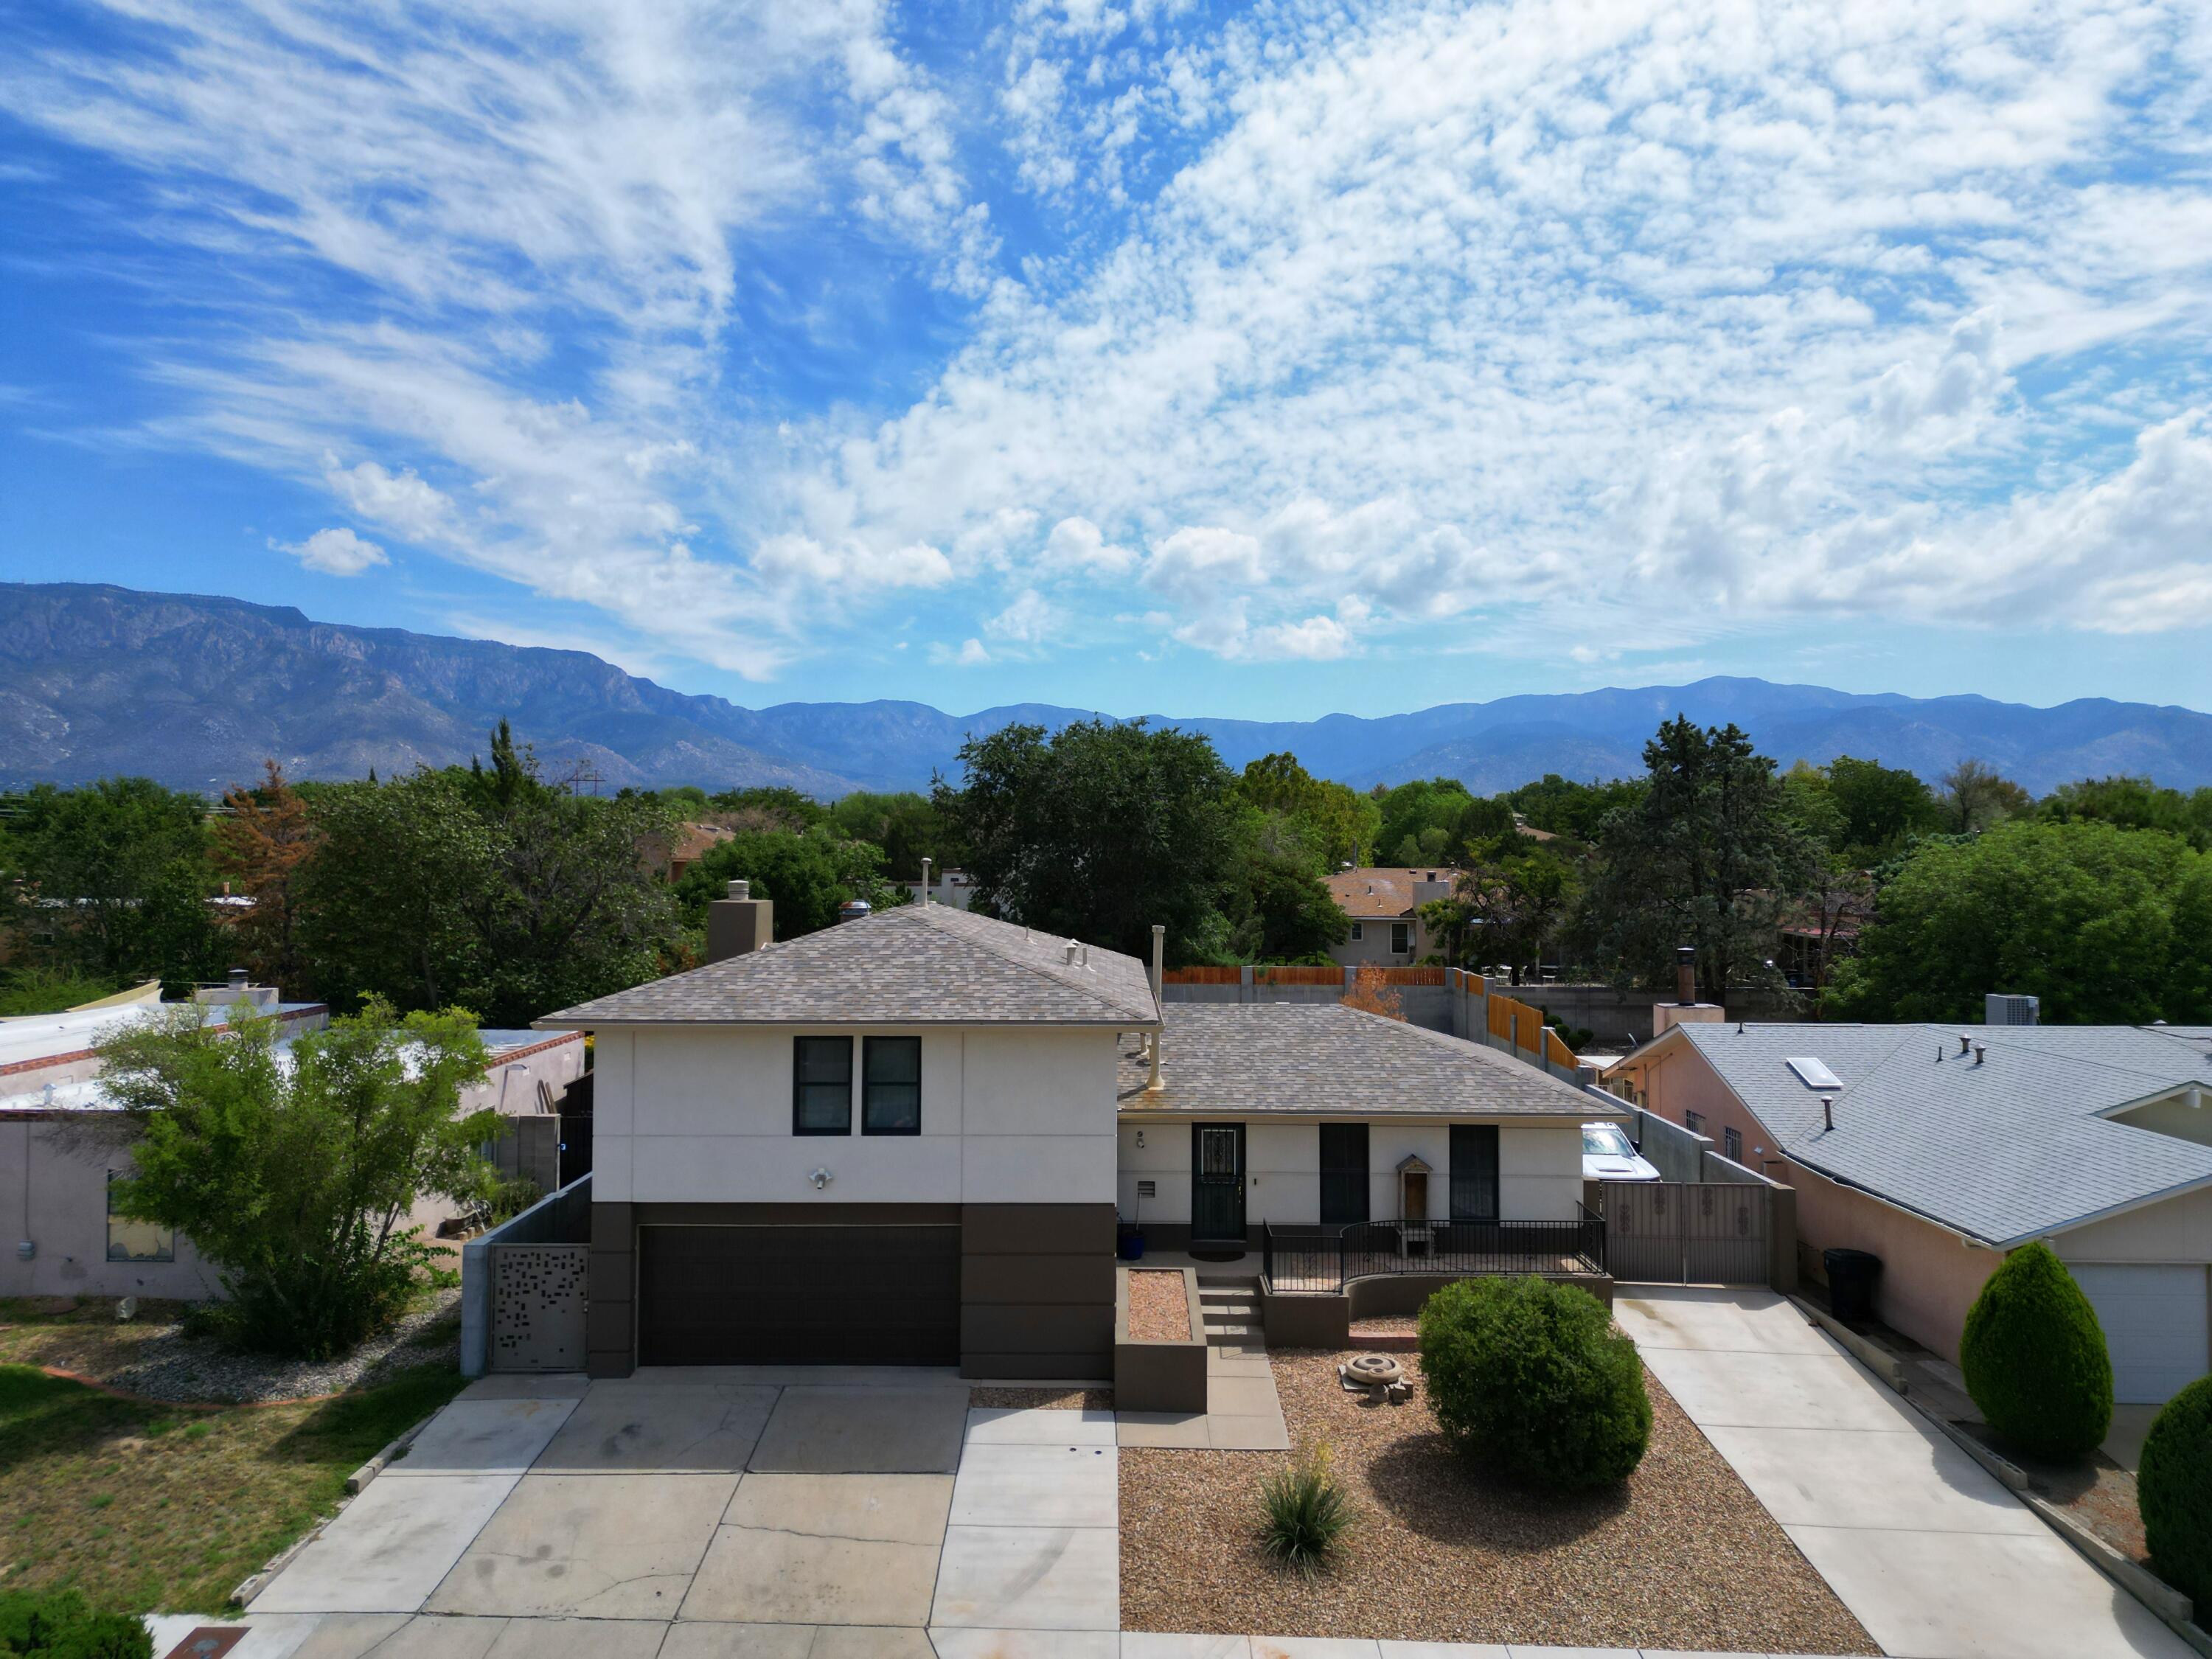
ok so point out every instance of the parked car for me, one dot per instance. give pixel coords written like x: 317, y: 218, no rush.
x: 1610, y: 1155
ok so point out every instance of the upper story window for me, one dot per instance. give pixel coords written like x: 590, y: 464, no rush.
x: 1694, y: 1122
x: 822, y: 1086
x: 1401, y: 939
x: 135, y: 1241
x: 1732, y: 1146
x: 891, y: 1085
x: 1357, y: 932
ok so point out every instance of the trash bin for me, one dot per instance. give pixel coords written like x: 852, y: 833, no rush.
x: 1851, y: 1276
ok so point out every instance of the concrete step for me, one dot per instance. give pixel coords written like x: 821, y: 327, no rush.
x: 1238, y: 1308
x: 1234, y: 1335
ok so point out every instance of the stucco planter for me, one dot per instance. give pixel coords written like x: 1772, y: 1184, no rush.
x: 1157, y: 1375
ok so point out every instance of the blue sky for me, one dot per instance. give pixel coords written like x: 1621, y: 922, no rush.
x: 1258, y: 360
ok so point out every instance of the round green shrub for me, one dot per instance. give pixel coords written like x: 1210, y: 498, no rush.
x: 1529, y: 1378
x: 2174, y: 1489
x: 2034, y: 1358
x: 60, y: 1625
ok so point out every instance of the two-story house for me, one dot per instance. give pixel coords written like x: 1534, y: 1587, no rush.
x: 905, y: 1139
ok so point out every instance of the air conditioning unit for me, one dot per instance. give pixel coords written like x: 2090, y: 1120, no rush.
x: 2010, y: 1010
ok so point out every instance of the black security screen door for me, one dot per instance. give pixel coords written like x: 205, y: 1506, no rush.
x: 1475, y: 1172
x: 1343, y: 1173
x: 1217, y: 1182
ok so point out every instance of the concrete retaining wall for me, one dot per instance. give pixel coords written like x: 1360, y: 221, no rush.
x: 559, y: 1218
x: 1155, y: 1376
x: 1326, y: 1321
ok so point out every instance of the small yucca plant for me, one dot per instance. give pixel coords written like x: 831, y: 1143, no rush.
x: 1304, y: 1513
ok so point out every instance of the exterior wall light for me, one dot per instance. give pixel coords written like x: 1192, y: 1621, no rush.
x: 821, y: 1178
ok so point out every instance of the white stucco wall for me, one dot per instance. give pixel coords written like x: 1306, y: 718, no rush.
x: 1021, y: 1117
x: 1539, y: 1168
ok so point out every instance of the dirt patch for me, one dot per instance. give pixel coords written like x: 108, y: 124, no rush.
x: 1158, y: 1310
x: 1049, y: 1400
x: 1680, y: 1556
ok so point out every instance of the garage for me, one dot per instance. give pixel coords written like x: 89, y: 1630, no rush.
x: 799, y: 1295
x: 2157, y: 1325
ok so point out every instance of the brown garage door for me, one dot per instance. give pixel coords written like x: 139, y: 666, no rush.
x: 819, y: 1295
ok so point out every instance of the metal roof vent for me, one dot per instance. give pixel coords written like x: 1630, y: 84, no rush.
x: 1815, y: 1073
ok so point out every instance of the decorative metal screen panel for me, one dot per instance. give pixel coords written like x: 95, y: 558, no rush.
x: 1668, y: 1232
x: 538, y: 1307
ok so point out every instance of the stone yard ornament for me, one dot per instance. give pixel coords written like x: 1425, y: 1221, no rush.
x: 1378, y: 1376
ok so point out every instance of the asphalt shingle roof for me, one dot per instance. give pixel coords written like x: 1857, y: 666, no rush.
x: 913, y: 964
x: 1323, y: 1060
x: 2005, y: 1151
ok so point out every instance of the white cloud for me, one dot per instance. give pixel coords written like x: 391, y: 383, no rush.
x: 1078, y: 547
x: 1030, y: 620
x: 969, y: 654
x: 335, y: 552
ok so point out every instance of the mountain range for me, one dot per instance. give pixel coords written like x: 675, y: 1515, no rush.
x: 196, y: 692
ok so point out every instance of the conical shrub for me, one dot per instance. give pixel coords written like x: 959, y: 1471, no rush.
x: 2174, y: 1491
x: 2034, y: 1358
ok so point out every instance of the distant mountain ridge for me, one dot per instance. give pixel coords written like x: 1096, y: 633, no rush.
x: 196, y: 690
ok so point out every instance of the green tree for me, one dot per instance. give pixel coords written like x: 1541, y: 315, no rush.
x: 1347, y: 824
x: 2034, y: 1358
x: 1101, y: 831
x: 768, y: 807
x: 1507, y: 911
x: 808, y: 876
x: 1975, y: 797
x: 494, y: 889
x: 2080, y: 915
x: 1577, y: 811
x: 113, y: 881
x: 2132, y: 804
x: 1882, y: 806
x: 1291, y: 915
x: 906, y: 826
x: 1707, y: 855
x: 296, y: 1181
x: 1437, y: 821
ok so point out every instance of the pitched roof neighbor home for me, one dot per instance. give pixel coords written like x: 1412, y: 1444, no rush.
x: 1938, y: 1148
x: 905, y: 1139
x: 1382, y: 905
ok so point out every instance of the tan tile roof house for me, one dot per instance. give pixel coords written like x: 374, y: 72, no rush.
x: 907, y: 1139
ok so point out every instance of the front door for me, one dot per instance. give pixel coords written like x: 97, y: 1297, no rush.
x: 1216, y: 1182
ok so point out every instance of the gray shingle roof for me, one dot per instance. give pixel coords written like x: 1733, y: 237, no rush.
x: 1279, y: 1059
x: 2005, y: 1151
x: 913, y: 964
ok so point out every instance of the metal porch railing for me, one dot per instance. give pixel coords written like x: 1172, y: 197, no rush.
x: 1320, y: 1260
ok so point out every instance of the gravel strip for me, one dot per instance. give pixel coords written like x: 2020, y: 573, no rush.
x: 166, y: 1364
x: 1680, y: 1556
x: 1158, y: 1310
x: 1049, y: 1400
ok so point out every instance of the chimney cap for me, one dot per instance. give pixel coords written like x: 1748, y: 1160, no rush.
x: 741, y: 889
x: 238, y: 977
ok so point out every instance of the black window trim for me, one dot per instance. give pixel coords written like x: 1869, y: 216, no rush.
x: 867, y: 1046
x: 797, y: 1084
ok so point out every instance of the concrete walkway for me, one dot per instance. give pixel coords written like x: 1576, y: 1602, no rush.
x: 1934, y: 1557
x: 1243, y: 1410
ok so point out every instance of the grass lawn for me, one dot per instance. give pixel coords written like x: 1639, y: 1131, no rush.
x: 145, y: 1506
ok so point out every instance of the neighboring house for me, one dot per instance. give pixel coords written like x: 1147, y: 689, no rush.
x: 1941, y: 1147
x: 954, y: 889
x: 59, y: 1234
x: 672, y: 856
x: 904, y: 1140
x: 1382, y: 905
x: 1304, y: 1115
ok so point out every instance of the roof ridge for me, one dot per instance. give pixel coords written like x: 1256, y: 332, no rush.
x: 1042, y: 970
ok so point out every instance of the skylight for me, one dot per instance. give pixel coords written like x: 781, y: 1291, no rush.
x: 1815, y: 1073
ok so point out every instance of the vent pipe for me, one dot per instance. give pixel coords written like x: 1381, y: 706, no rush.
x: 1966, y: 1041
x: 1827, y: 1111
x: 1980, y: 1054
x: 925, y: 881
x: 1159, y: 971
x: 1068, y: 953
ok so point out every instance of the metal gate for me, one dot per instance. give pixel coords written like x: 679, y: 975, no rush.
x: 538, y: 1307
x: 1672, y: 1232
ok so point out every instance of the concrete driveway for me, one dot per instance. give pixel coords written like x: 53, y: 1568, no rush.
x: 680, y: 1515
x: 1937, y: 1559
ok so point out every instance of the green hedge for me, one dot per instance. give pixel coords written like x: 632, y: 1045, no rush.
x: 61, y: 1626
x: 2174, y: 1491
x: 1529, y: 1378
x: 2034, y: 1358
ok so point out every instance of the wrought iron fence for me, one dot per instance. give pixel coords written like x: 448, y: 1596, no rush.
x: 1319, y: 1260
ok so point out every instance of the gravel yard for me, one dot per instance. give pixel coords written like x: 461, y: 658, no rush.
x: 1158, y: 1311
x: 1681, y: 1556
x: 1046, y: 1399
x: 154, y: 1356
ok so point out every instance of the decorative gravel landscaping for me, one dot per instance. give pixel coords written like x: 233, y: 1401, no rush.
x: 1050, y: 1400
x: 1158, y: 1311
x: 156, y: 1355
x: 1680, y: 1556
